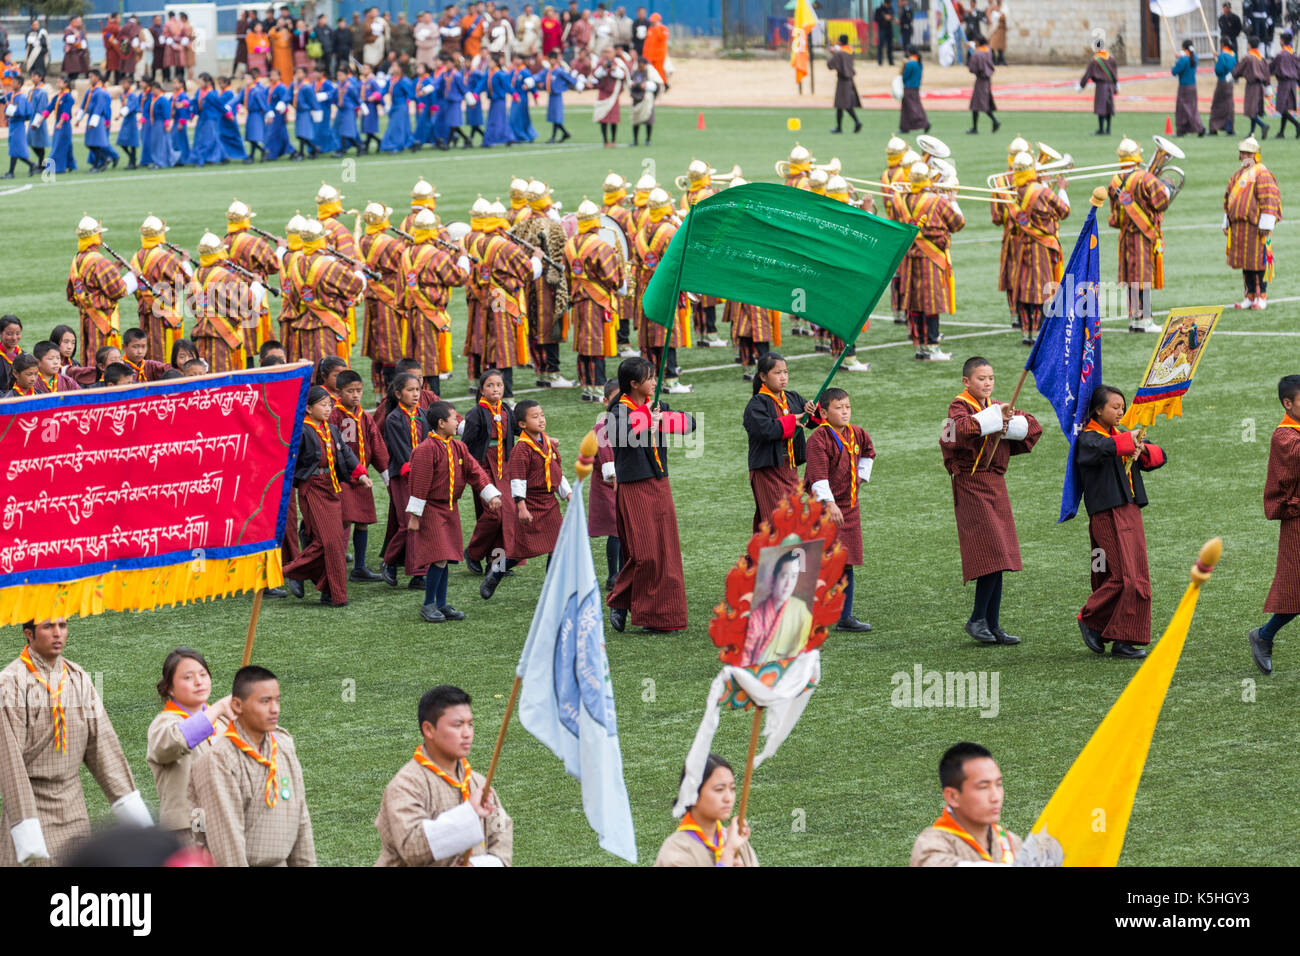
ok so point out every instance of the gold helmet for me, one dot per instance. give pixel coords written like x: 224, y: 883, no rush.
x: 646, y: 183
x: 423, y: 191
x: 1248, y: 145
x: 426, y: 220
x: 895, y: 149
x: 910, y: 158
x: 918, y: 174
x: 699, y: 169
x: 327, y: 194
x: 1129, y: 150
x: 311, y: 230
x: 296, y: 225
x: 496, y: 210
x: 614, y: 182
x: 800, y: 155
x: 89, y: 226
x: 153, y: 226
x: 238, y: 211
x: 659, y: 199
x: 208, y: 244
x: 376, y: 213
x: 837, y: 188
x: 587, y: 210
x: 818, y: 178
x: 1018, y: 145
x: 480, y: 208
x: 536, y: 191
x: 518, y: 188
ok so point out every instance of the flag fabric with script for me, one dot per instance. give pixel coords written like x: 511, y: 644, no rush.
x: 948, y: 30
x: 566, y: 699
x: 780, y: 248
x: 1066, y: 357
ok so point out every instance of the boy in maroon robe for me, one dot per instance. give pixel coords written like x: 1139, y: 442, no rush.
x: 441, y: 467
x: 403, y: 430
x: 977, y: 442
x: 1282, y: 503
x: 840, y: 457
x: 361, y: 435
x: 602, y: 508
x: 135, y: 346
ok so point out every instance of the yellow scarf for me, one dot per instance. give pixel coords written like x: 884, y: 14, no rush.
x: 271, y: 765
x: 719, y: 835
x: 56, y: 698
x: 448, y: 779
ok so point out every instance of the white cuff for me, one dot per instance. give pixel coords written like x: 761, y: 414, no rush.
x: 317, y: 116
x: 269, y: 117
x: 362, y: 276
x: 1017, y: 428
x: 490, y: 494
x: 453, y: 832
x: 956, y: 208
x: 485, y: 859
x: 565, y: 488
x: 463, y: 264
x: 11, y: 110
x: 607, y: 471
x: 990, y: 419
x: 518, y: 488
x: 187, y: 268
x: 415, y: 506
x: 279, y: 253
x: 365, y: 110
x: 460, y: 428
x: 1225, y: 220
x: 281, y: 107
x: 864, y: 468
x: 259, y: 293
x: 384, y: 475
x: 94, y: 120
x: 129, y: 280
x: 131, y: 810
x: 29, y: 841
x: 1267, y: 221
x: 822, y: 490
x: 1061, y: 195
x: 537, y: 268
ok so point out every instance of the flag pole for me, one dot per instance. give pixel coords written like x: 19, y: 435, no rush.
x: 501, y: 737
x: 677, y: 293
x: 252, y: 626
x: 1024, y: 373
x: 749, y: 765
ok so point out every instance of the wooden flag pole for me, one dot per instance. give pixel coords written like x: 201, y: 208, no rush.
x: 252, y: 627
x: 749, y: 766
x: 501, y: 737
x: 1024, y: 373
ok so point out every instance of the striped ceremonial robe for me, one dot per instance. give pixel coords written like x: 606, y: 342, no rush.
x: 1282, y: 503
x: 155, y: 298
x: 927, y: 279
x: 628, y: 305
x: 478, y: 305
x: 429, y: 272
x: 651, y: 243
x: 1035, y: 258
x: 221, y: 300
x: 593, y: 265
x: 386, y: 340
x: 1252, y: 194
x: 1001, y: 217
x: 1137, y: 204
x: 256, y: 254
x: 505, y: 268
x: 694, y: 195
x: 324, y: 288
x: 95, y: 285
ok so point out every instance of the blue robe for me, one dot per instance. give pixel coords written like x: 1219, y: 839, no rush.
x: 146, y: 128
x: 64, y: 160
x: 207, y: 147
x: 561, y: 82
x: 475, y: 82
x: 397, y: 136
x: 129, y: 132
x: 22, y: 115
x: 304, y: 102
x: 232, y: 144
x: 99, y: 103
x: 521, y: 123
x: 256, y: 104
x: 373, y: 93
x: 498, y: 124
x: 277, y: 134
x: 38, y: 134
x: 325, y: 139
x: 345, y: 122
x: 159, y: 148
x: 451, y: 95
x: 425, y: 101
x: 182, y: 114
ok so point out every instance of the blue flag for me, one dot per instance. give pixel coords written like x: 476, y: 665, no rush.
x: 567, y: 699
x: 1066, y: 358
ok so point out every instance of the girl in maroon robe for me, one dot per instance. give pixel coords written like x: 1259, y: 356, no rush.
x: 404, y: 429
x: 776, y: 441
x: 1110, y: 464
x: 361, y: 435
x: 602, y: 506
x: 489, y: 435
x: 1282, y: 503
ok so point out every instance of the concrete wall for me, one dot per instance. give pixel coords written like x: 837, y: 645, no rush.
x: 1060, y: 31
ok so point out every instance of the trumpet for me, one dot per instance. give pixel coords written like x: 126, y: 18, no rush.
x: 832, y: 168
x: 717, y: 179
x: 1056, y: 163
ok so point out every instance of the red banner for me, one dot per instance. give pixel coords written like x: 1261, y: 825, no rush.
x: 160, y: 493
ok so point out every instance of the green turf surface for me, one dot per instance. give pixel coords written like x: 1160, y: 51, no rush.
x: 856, y: 781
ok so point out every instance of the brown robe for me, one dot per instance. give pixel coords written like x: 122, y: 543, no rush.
x: 171, y: 759
x: 1286, y: 67
x: 831, y: 461
x: 416, y: 794
x: 1101, y: 72
x: 1222, y: 107
x: 981, y: 95
x: 846, y: 93
x: 1255, y: 70
x: 937, y: 848
x: 440, y: 537
x: 683, y: 848
x: 538, y: 536
x: 1282, y: 503
x: 911, y: 114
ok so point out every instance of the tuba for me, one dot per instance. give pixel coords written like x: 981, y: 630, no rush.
x: 1172, y: 176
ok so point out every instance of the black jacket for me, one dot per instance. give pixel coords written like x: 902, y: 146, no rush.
x: 397, y: 436
x: 342, y: 45
x: 1101, y: 471
x: 480, y: 431
x: 763, y: 424
x: 325, y: 37
x: 1229, y: 26
x: 312, y: 460
x: 634, y: 454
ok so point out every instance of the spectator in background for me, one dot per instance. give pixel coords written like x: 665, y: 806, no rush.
x: 37, y: 49
x: 76, y: 51
x: 403, y: 35
x: 580, y: 33
x: 157, y: 66
x: 187, y: 42
x: 501, y: 34
x: 640, y: 28
x: 528, y: 32
x: 323, y: 38
x: 342, y: 44
x: 473, y: 25
x: 655, y: 48
x: 301, y: 37
x: 906, y: 10
x: 358, y: 31
x: 998, y: 33
x: 373, y: 49
x: 112, y: 48
x: 258, y: 45
x: 425, y: 35
x: 884, y: 17
x: 622, y: 30
x: 1258, y: 22
x: 449, y: 29
x: 1229, y: 27
x: 241, y: 40
x: 281, y: 36
x: 552, y: 32
x: 602, y: 29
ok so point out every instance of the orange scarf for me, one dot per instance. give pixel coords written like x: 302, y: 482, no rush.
x: 138, y: 369
x: 448, y: 779
x: 948, y: 824
x: 323, y: 433
x: 1095, y: 426
x: 52, y: 383
x: 271, y: 765
x: 171, y: 707
x: 545, y: 456
x: 654, y: 439
x: 451, y: 472
x: 498, y: 423
x: 361, y: 432
x: 1289, y: 422
x: 56, y: 701
x: 850, y: 444
x: 719, y: 835
x: 411, y: 415
x: 784, y: 407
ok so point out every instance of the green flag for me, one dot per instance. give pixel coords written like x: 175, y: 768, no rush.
x: 781, y: 248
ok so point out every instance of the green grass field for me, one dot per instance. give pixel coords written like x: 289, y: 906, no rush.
x: 856, y: 781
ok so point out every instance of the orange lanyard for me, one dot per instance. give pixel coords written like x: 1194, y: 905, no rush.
x: 969, y: 399
x: 327, y: 447
x: 171, y: 707
x: 461, y: 785
x: 654, y: 439
x: 851, y: 445
x: 411, y: 415
x: 784, y: 407
x: 271, y: 794
x: 719, y: 835
x: 361, y: 432
x: 1094, y: 426
x: 138, y: 369
x: 1289, y: 422
x: 56, y: 701
x: 52, y: 383
x: 451, y: 472
x: 545, y: 456
x: 500, y: 426
x: 947, y: 824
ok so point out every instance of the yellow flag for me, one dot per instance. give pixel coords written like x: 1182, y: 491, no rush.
x: 1089, y: 813
x: 804, y: 18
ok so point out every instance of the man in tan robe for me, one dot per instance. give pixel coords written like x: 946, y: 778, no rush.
x: 435, y: 811
x: 967, y: 833
x: 51, y: 722
x: 248, y: 787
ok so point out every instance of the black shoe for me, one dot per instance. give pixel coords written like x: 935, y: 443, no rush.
x: 1003, y: 637
x: 451, y: 614
x: 997, y: 125
x: 1261, y: 652
x: 416, y: 583
x: 980, y: 631
x: 474, y: 566
x: 856, y: 129
x: 618, y: 618
x: 364, y: 574
x: 247, y: 160
x: 295, y: 588
x: 1092, y: 639
x: 274, y: 592
x: 389, y: 574
x: 7, y: 176
x: 837, y: 130
x: 329, y: 601
x: 852, y: 624
x: 972, y: 131
x: 1129, y: 651
x: 1265, y: 136
x: 432, y: 614
x: 927, y: 128
x: 489, y: 585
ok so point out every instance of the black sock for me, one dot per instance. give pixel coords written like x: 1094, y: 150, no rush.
x: 13, y: 161
x: 846, y: 612
x: 649, y: 127
x: 40, y: 155
x: 984, y: 591
x: 995, y: 600
x: 1101, y: 124
x: 1274, y: 625
x: 974, y: 119
x: 839, y: 119
x: 853, y: 116
x: 613, y: 132
x: 613, y: 555
x: 360, y: 538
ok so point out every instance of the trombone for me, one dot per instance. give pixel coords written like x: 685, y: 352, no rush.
x: 958, y: 191
x: 832, y: 168
x: 718, y: 179
x: 861, y: 186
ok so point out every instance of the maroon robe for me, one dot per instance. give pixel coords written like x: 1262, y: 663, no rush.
x: 361, y: 434
x: 1282, y: 503
x: 832, y: 461
x: 538, y: 536
x: 602, y: 508
x: 439, y: 485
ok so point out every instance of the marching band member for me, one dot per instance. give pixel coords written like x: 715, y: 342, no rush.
x: 323, y: 288
x: 504, y: 268
x: 838, y: 189
x: 225, y: 303
x: 548, y: 294
x: 255, y: 254
x: 927, y: 280
x: 1105, y: 81
x: 897, y: 163
x: 478, y: 303
x: 640, y: 214
x: 800, y: 165
x: 163, y: 274
x: 423, y: 196
x: 998, y: 211
x: 817, y: 180
x: 612, y: 204
x: 1187, y: 116
x: 704, y: 308
x: 519, y: 208
x: 651, y: 243
x: 338, y: 238
x: 430, y: 272
x: 95, y: 285
x: 1252, y: 205
x: 290, y: 307
x: 386, y: 322
x: 1035, y: 262
x: 1137, y: 204
x: 596, y: 283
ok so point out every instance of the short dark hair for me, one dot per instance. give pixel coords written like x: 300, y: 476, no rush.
x: 438, y: 412
x: 327, y: 365
x: 951, y: 772
x: 407, y: 365
x: 766, y: 362
x: 193, y: 362
x: 972, y: 363
x: 843, y: 40
x: 611, y: 386
x: 833, y: 395
x: 172, y: 374
x: 633, y: 371
x: 114, y: 372
x: 43, y: 349
x: 173, y: 661
x: 182, y: 344
x: 1100, y: 396
x: 490, y: 373
x: 521, y: 411
x: 246, y: 677
x: 1288, y: 387
x: 318, y: 393
x: 23, y: 362
x: 267, y: 346
x: 11, y: 319
x: 434, y: 703
x: 348, y: 377
x: 134, y: 334
x: 103, y: 352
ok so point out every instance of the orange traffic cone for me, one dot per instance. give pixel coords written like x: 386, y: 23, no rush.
x: 1169, y: 126
x: 699, y: 123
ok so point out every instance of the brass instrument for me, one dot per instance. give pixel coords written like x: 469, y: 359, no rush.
x: 861, y: 186
x: 832, y: 168
x: 958, y: 191
x: 932, y: 146
x: 1172, y: 176
x: 718, y: 179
